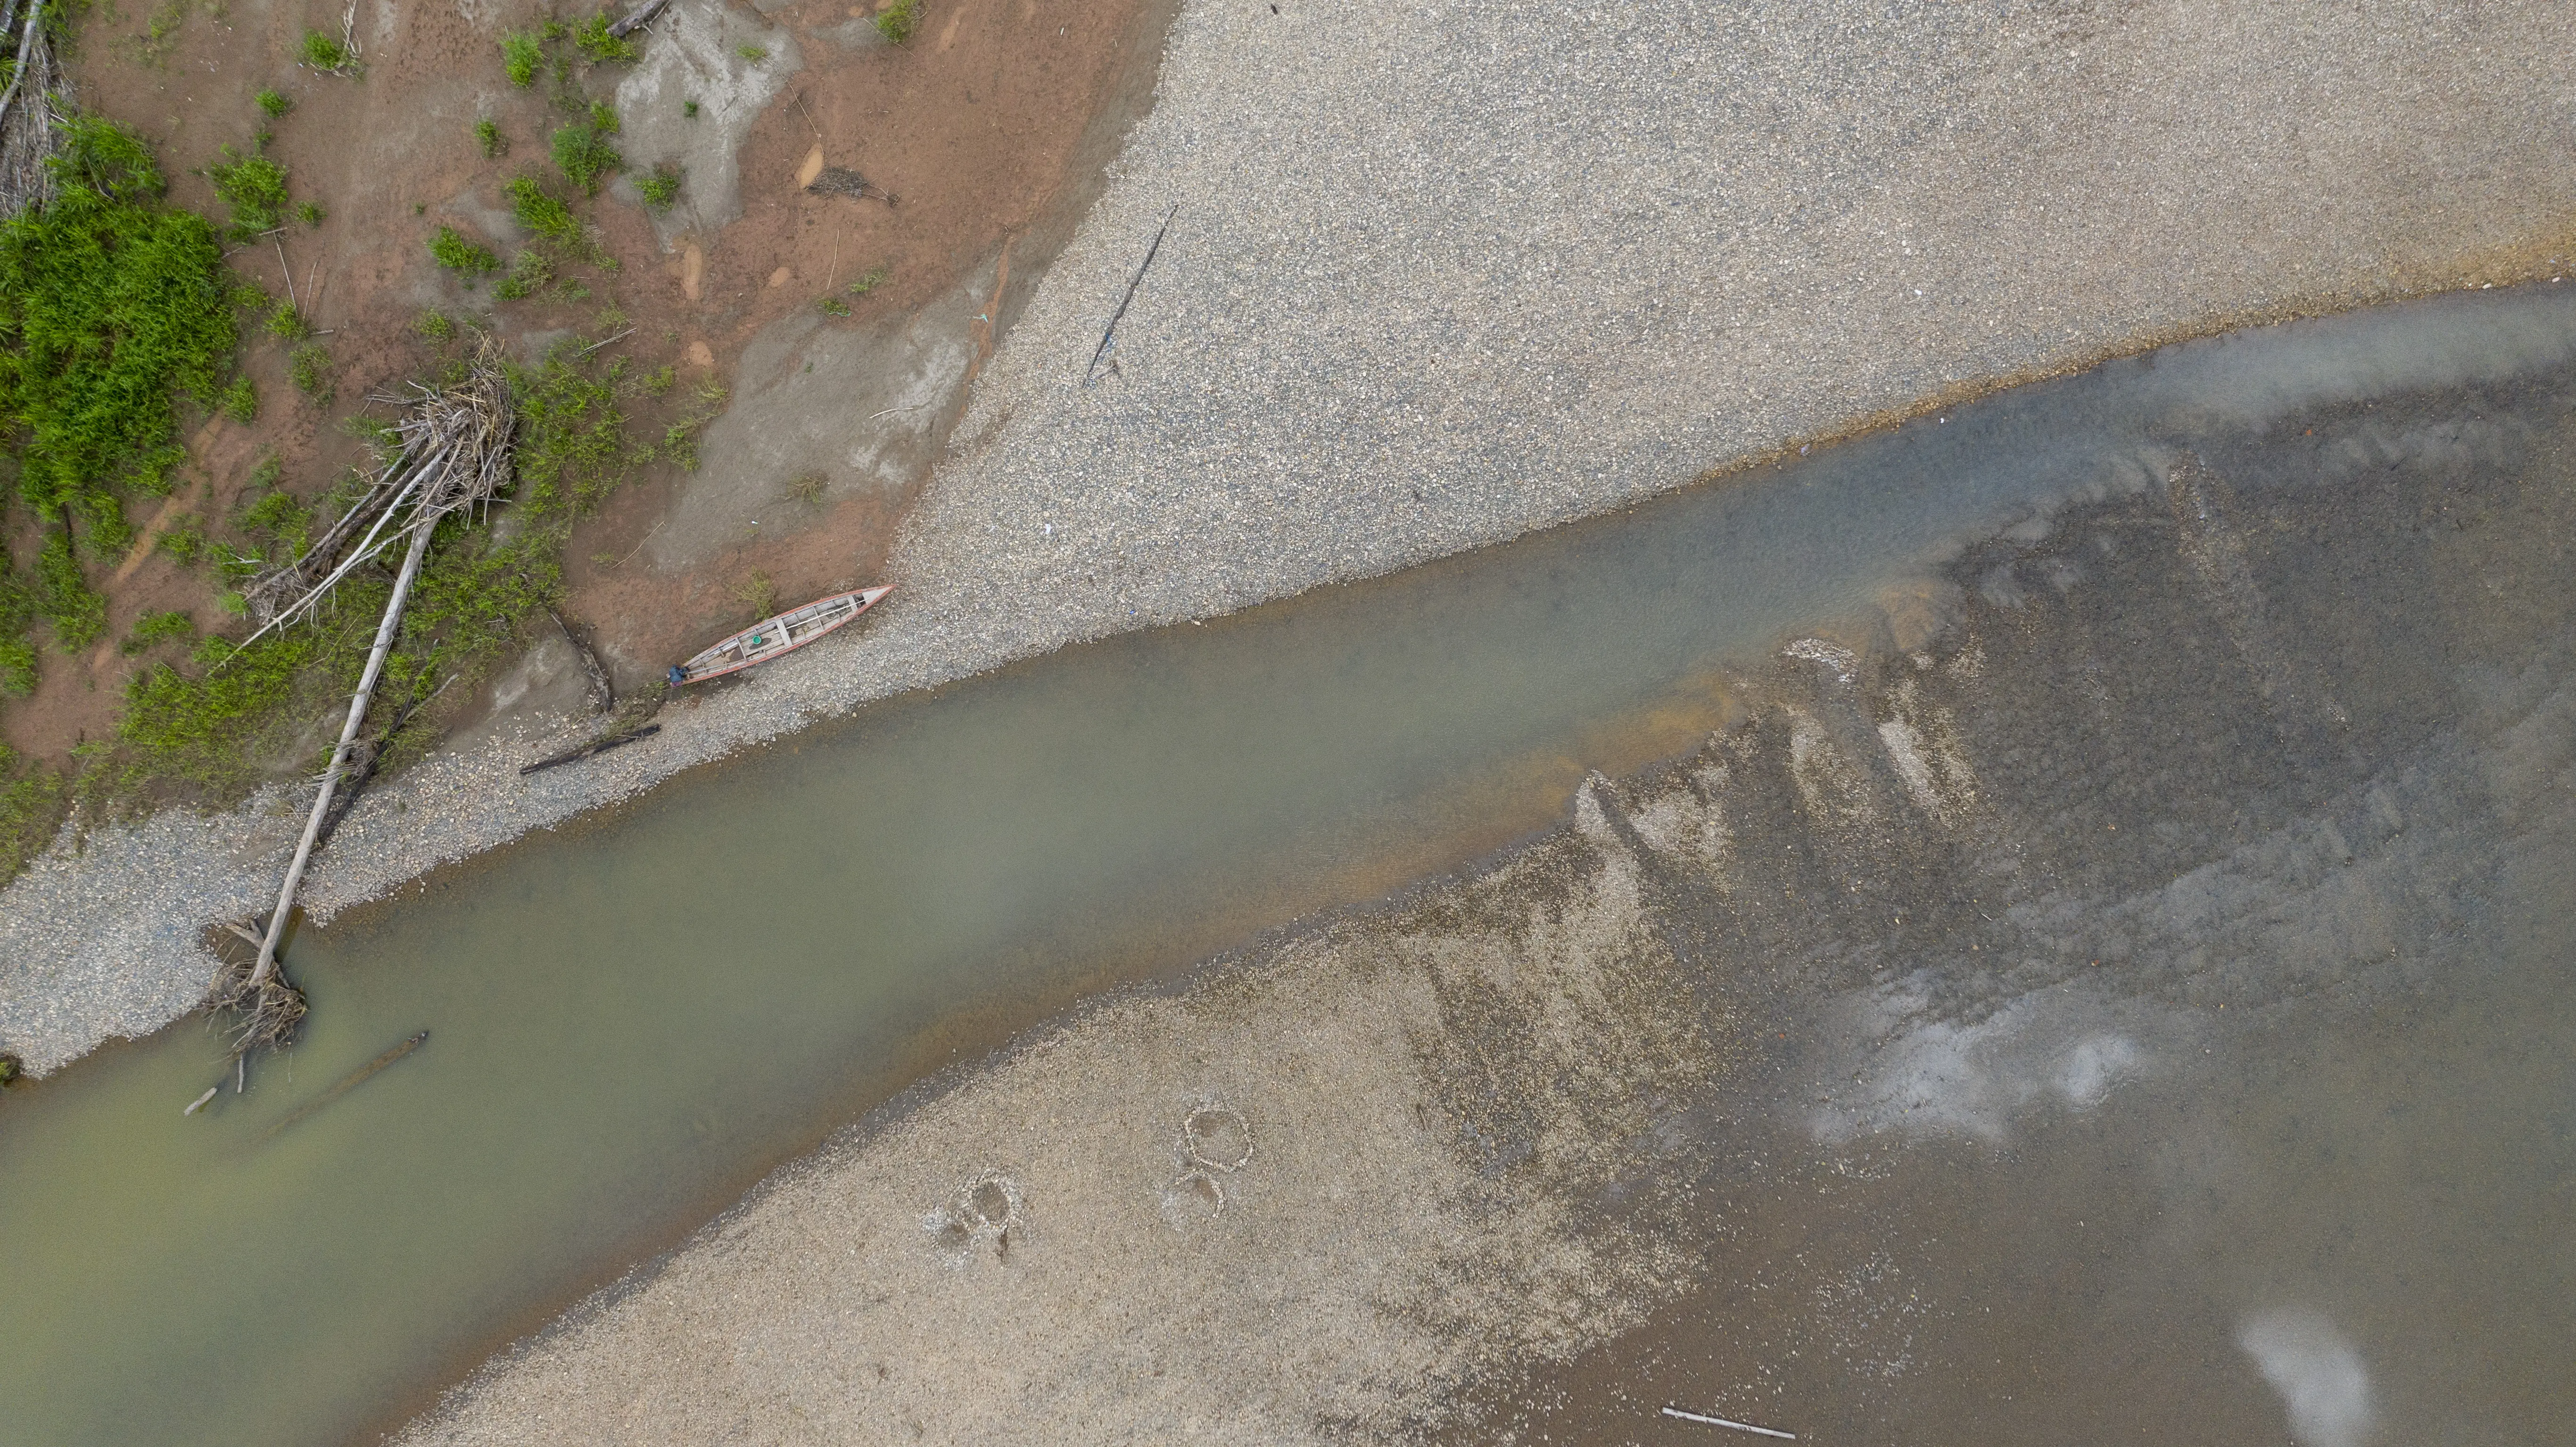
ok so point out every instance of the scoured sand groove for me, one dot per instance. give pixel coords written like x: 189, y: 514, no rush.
x: 1489, y: 1126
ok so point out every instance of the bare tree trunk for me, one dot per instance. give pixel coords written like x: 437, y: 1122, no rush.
x: 385, y: 631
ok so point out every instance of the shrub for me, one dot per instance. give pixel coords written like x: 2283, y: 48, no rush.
x: 309, y: 368
x: 184, y: 539
x: 897, y: 21
x: 529, y: 272
x: 543, y: 214
x: 275, y: 103
x: 599, y: 47
x: 64, y: 597
x: 433, y: 326
x: 487, y: 134
x: 31, y: 808
x: 254, y: 187
x: 457, y: 254
x: 278, y: 517
x: 157, y: 628
x: 17, y: 667
x: 287, y: 324
x: 522, y: 54
x: 603, y: 118
x: 323, y: 53
x: 661, y: 189
x: 240, y: 401
x: 109, y: 305
x: 584, y: 156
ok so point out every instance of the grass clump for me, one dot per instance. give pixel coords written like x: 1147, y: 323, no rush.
x: 753, y: 53
x: 543, y: 214
x: 874, y: 278
x: 599, y: 47
x: 64, y: 597
x: 582, y: 151
x: 254, y: 187
x: 287, y: 324
x: 32, y: 804
x: 688, y: 110
x: 897, y: 21
x: 309, y: 368
x: 310, y: 212
x: 760, y: 591
x: 529, y: 273
x: 661, y: 190
x: 833, y: 306
x: 323, y: 53
x: 154, y: 629
x: 110, y: 305
x: 523, y: 54
x: 433, y: 327
x: 487, y: 134
x: 457, y: 254
x: 274, y: 103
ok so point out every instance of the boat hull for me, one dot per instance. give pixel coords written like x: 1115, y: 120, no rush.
x: 779, y: 635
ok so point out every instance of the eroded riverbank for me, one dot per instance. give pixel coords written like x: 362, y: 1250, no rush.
x: 1364, y: 348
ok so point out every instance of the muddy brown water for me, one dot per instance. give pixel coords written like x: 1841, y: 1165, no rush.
x: 633, y: 1018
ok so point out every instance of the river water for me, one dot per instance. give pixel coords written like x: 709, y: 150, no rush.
x: 633, y: 1018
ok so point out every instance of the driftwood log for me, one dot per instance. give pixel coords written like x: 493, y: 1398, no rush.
x: 637, y: 19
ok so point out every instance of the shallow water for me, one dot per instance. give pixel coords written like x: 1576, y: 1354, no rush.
x: 633, y: 1018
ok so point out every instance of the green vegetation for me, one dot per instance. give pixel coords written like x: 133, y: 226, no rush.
x: 689, y: 109
x: 833, y: 306
x: 153, y: 629
x: 541, y: 213
x: 522, y: 55
x: 753, y: 53
x: 287, y: 324
x: 309, y: 368
x: 897, y: 21
x: 254, y: 187
x: 487, y: 134
x: 809, y: 488
x: 239, y: 402
x: 457, y: 254
x: 661, y: 190
x: 31, y: 808
x: 109, y: 305
x: 275, y: 103
x: 64, y: 597
x: 529, y: 273
x: 323, y: 53
x: 310, y: 212
x: 871, y: 281
x: 433, y: 326
x: 599, y: 47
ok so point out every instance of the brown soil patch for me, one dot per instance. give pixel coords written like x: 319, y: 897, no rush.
x: 992, y: 126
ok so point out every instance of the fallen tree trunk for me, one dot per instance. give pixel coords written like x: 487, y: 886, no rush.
x: 267, y: 967
x: 638, y: 20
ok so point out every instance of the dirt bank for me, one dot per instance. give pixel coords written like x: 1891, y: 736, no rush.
x: 2248, y: 741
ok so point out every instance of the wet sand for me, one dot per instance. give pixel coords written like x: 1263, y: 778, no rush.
x: 2181, y: 867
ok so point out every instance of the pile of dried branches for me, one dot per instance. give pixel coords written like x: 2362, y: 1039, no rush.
x: 454, y: 456
x: 30, y: 115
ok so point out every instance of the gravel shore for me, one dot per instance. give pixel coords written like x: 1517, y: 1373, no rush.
x: 1439, y: 277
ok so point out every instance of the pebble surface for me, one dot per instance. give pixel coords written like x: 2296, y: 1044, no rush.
x: 1440, y: 275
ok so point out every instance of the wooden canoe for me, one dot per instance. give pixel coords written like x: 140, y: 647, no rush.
x: 770, y: 637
